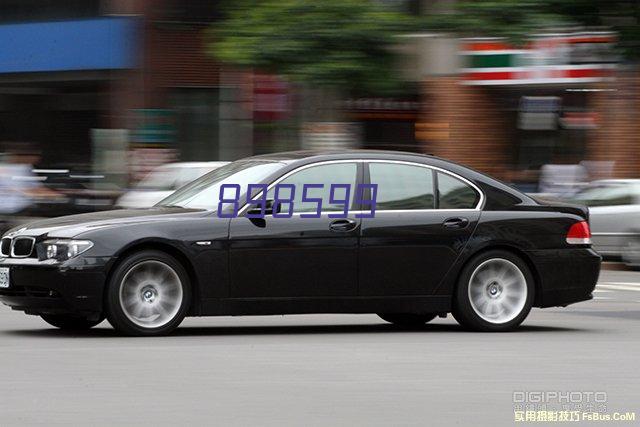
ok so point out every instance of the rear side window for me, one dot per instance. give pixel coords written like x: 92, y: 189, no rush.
x: 402, y: 186
x: 455, y: 194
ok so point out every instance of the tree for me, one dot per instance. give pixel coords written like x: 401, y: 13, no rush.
x: 344, y: 45
x: 512, y: 19
x: 622, y: 16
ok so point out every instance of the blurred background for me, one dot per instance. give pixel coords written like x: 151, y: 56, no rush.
x: 96, y: 94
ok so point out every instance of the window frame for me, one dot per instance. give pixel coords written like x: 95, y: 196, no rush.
x: 363, y: 177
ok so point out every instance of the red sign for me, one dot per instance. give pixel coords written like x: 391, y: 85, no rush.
x: 271, y: 98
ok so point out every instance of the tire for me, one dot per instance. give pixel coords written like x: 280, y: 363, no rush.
x: 148, y: 294
x: 407, y: 320
x: 495, y: 292
x: 70, y: 322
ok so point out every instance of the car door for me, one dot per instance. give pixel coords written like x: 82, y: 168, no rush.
x: 422, y: 221
x: 300, y: 256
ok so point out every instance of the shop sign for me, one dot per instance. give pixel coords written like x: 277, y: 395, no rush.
x: 152, y: 141
x: 539, y: 112
x: 330, y: 135
x: 547, y: 59
x: 580, y: 120
x: 271, y: 97
x: 154, y: 127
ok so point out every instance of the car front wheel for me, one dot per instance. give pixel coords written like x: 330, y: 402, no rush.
x: 148, y: 294
x: 495, y: 292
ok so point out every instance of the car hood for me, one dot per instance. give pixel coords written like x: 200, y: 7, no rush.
x: 73, y: 225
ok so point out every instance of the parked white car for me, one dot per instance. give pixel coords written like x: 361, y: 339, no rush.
x: 614, y: 216
x: 562, y: 180
x: 163, y: 181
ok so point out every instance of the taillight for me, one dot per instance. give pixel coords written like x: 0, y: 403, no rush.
x: 579, y: 234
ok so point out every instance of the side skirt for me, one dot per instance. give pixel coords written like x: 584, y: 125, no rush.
x: 308, y: 305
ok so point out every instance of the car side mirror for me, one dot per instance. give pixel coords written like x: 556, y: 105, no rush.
x: 268, y: 208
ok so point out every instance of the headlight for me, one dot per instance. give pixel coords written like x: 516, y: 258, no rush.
x: 61, y: 249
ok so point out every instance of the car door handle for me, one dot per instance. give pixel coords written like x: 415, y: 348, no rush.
x: 343, y: 225
x: 455, y: 223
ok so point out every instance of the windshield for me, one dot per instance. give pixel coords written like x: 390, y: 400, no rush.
x: 203, y: 193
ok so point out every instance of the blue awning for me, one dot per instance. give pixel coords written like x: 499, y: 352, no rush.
x: 89, y: 44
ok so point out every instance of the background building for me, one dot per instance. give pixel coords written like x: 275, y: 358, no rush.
x: 117, y: 87
x: 80, y: 77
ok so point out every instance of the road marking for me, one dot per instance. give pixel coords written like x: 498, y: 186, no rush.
x: 634, y: 284
x: 619, y: 286
x: 615, y: 287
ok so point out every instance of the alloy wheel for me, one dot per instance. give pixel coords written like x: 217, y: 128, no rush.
x: 497, y: 291
x: 151, y: 294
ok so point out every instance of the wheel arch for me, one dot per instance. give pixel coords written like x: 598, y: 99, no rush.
x: 169, y: 249
x: 537, y: 283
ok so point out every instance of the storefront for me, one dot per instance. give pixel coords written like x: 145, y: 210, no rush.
x: 385, y: 123
x: 55, y: 79
x: 515, y: 110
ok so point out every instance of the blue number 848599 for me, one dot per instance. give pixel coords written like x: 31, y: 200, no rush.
x: 284, y: 200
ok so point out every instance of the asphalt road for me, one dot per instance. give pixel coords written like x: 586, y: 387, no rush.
x: 321, y: 370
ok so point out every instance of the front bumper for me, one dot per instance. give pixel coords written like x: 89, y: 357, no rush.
x: 565, y: 276
x: 38, y: 287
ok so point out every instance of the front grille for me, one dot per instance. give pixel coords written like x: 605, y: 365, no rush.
x: 5, y: 247
x: 22, y: 247
x: 29, y: 291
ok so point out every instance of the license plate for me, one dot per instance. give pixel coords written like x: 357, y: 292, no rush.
x: 4, y: 277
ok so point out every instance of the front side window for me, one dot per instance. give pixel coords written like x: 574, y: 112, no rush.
x: 312, y: 187
x: 402, y: 187
x: 455, y: 194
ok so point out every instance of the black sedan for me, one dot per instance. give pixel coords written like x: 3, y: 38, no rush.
x: 409, y: 237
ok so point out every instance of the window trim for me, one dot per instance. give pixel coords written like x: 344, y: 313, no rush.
x: 363, y: 176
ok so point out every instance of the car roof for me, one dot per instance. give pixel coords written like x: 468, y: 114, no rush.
x: 302, y: 157
x: 292, y: 156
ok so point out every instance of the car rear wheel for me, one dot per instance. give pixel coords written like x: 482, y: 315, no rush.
x: 407, y: 320
x: 495, y: 292
x: 148, y: 294
x: 69, y: 322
